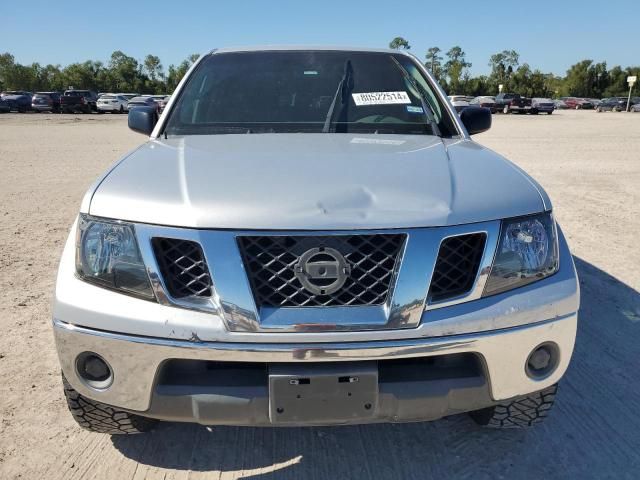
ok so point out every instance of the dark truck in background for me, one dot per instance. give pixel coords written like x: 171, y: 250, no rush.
x: 512, y: 102
x: 79, y: 101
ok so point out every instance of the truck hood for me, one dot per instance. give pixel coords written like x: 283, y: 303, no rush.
x: 313, y: 181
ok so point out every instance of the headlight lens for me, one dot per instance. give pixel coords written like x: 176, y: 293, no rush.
x: 527, y: 251
x: 107, y: 254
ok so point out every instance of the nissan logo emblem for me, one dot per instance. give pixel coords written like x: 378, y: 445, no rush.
x: 322, y: 270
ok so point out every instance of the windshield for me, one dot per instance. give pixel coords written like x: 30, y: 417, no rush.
x: 308, y: 91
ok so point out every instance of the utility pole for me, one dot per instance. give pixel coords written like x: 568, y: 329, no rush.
x: 631, y: 80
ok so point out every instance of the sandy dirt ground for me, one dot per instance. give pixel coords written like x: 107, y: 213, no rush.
x: 588, y: 162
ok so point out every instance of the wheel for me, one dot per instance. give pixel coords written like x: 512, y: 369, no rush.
x: 549, y: 113
x: 505, y: 109
x: 98, y: 417
x: 534, y: 112
x: 520, y: 413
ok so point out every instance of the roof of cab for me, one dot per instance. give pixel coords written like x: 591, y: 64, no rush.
x: 266, y: 48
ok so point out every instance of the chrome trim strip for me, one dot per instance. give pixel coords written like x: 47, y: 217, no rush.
x: 311, y: 352
x: 233, y: 299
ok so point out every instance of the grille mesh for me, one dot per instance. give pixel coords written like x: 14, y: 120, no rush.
x: 457, y: 266
x: 270, y: 265
x: 183, y: 267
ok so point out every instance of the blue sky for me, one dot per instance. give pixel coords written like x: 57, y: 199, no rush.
x: 550, y: 35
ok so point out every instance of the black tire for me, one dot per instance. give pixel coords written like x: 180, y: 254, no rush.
x: 100, y: 418
x: 549, y: 113
x: 521, y: 413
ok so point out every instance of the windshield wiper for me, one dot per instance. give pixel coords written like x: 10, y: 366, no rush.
x: 344, y: 87
x: 431, y: 119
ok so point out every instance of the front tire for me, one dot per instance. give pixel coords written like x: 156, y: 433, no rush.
x: 523, y: 412
x: 100, y: 418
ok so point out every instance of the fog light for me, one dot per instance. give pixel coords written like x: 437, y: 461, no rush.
x: 94, y: 370
x: 543, y: 360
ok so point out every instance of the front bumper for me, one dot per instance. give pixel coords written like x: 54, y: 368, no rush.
x: 140, y: 340
x: 138, y: 362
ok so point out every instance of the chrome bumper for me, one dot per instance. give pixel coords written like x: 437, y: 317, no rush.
x: 137, y: 360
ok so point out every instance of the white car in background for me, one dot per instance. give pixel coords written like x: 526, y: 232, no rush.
x: 459, y: 102
x: 112, y: 103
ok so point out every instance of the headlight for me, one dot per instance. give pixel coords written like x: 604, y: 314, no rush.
x: 527, y: 251
x: 107, y: 254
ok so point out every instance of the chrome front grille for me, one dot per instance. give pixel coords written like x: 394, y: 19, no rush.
x: 287, y: 270
x: 457, y: 266
x: 183, y: 267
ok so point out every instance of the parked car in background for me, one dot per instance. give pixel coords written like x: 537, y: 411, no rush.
x: 578, y: 103
x: 459, y: 102
x: 4, y: 106
x: 513, y: 102
x: 560, y: 105
x: 46, y: 102
x: 160, y: 100
x: 595, y: 101
x: 79, y: 101
x: 613, y: 104
x: 163, y: 103
x: 143, y: 102
x: 486, y: 102
x: 542, y: 105
x: 112, y: 103
x: 18, y: 100
x: 128, y: 96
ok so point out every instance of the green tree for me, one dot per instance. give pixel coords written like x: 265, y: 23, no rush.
x: 153, y: 67
x: 455, y: 69
x: 399, y: 43
x: 125, y: 72
x: 434, y: 62
x: 503, y: 64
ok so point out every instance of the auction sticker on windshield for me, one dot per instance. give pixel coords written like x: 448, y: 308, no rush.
x: 380, y: 98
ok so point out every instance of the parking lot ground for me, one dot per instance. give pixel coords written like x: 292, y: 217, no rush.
x: 589, y: 164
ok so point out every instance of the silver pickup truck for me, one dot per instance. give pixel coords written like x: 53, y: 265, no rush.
x: 310, y: 237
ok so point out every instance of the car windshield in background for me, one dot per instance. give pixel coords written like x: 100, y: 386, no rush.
x: 308, y: 91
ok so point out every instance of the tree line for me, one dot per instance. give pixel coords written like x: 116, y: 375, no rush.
x: 123, y: 73
x: 584, y: 79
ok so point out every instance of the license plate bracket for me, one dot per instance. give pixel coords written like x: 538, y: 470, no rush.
x: 322, y: 394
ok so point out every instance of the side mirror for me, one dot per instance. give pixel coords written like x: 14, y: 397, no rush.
x: 142, y: 119
x: 475, y: 119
